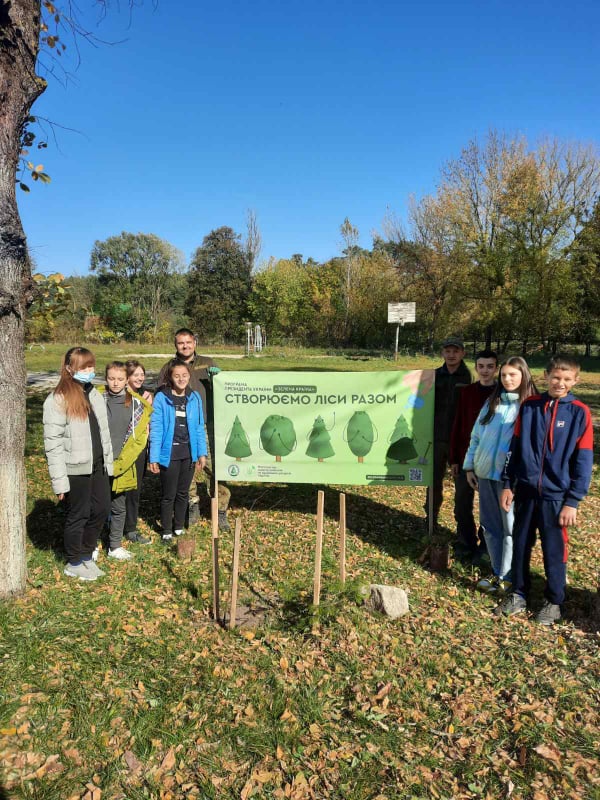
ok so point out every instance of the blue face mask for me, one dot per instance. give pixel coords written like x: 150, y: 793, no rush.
x: 84, y: 377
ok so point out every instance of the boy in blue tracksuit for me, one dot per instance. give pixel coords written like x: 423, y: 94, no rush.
x: 548, y: 468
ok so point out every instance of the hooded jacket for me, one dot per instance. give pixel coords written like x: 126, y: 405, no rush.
x: 68, y: 441
x: 490, y: 443
x: 551, y: 452
x: 162, y: 426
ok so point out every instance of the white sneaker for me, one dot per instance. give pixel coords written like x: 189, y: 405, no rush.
x: 120, y: 553
x: 79, y: 571
x: 179, y: 532
x: 93, y: 568
x: 95, y: 555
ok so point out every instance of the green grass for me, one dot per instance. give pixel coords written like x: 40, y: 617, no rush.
x: 127, y: 685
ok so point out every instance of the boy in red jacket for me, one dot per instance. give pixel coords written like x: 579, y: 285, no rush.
x: 548, y: 468
x: 470, y: 402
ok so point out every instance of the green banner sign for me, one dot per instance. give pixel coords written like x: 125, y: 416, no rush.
x: 325, y: 427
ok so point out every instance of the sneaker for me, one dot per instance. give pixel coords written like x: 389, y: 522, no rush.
x: 79, y: 571
x: 179, y: 532
x: 193, y: 513
x: 120, y: 553
x: 488, y: 585
x: 93, y: 568
x: 135, y: 536
x: 503, y: 587
x: 512, y: 604
x: 549, y: 614
x: 166, y: 538
x: 95, y: 554
x: 224, y: 522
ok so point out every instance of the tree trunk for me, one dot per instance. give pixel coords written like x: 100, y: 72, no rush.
x: 19, y: 88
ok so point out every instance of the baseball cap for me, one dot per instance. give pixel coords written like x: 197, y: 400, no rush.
x: 453, y: 341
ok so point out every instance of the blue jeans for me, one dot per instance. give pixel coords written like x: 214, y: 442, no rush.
x: 497, y: 527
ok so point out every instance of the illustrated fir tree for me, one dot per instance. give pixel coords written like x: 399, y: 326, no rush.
x: 277, y: 436
x: 402, y: 448
x: 238, y: 446
x: 319, y: 441
x: 360, y: 434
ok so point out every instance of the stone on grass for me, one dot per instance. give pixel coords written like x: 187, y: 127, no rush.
x: 389, y: 600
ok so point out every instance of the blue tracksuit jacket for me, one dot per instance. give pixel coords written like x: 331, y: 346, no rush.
x: 551, y: 452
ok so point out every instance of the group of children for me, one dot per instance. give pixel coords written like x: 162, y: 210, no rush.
x: 529, y: 455
x: 96, y: 442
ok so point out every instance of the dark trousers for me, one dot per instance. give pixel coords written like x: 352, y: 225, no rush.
x: 534, y: 513
x: 464, y: 496
x: 440, y: 464
x: 132, y: 502
x: 88, y: 506
x: 175, y: 482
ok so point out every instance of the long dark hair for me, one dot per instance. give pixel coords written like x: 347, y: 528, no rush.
x: 526, y: 389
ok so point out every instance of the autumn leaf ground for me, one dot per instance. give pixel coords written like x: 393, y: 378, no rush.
x: 125, y: 688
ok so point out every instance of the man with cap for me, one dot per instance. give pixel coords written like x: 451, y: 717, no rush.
x: 202, y: 368
x: 449, y: 379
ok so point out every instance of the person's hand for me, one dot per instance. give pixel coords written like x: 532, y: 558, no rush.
x: 472, y: 479
x: 213, y: 370
x: 455, y: 469
x: 201, y: 462
x: 506, y: 499
x: 60, y: 496
x: 567, y: 517
x: 154, y: 468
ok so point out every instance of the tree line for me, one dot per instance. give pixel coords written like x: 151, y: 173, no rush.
x: 507, y: 249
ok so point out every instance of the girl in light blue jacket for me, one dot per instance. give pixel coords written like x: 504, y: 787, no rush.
x: 177, y: 446
x: 484, y: 462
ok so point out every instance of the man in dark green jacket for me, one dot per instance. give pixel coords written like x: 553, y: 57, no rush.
x: 449, y: 379
x: 201, y: 369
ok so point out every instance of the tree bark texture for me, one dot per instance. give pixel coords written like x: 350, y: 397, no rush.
x: 19, y: 88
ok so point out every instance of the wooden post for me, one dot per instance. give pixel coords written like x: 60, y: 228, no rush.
x: 318, y: 547
x: 343, y: 538
x: 214, y: 512
x: 235, y: 570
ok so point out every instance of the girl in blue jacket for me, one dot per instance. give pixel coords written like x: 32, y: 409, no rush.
x: 484, y: 462
x: 177, y: 444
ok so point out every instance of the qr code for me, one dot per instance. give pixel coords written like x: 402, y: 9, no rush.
x: 415, y: 474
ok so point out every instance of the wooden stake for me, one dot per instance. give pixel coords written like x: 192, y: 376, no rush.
x: 235, y: 571
x: 318, y: 547
x: 343, y: 538
x: 214, y: 511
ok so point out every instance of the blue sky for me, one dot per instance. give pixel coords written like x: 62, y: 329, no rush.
x: 305, y: 112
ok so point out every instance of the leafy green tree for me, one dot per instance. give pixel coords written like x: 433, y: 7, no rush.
x: 585, y: 264
x: 219, y: 285
x: 135, y: 273
x: 52, y: 302
x: 281, y: 300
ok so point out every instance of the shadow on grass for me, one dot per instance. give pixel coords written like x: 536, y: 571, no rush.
x: 45, y: 524
x: 582, y: 609
x: 395, y: 532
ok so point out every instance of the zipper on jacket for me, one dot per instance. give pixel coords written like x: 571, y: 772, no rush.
x: 546, y: 434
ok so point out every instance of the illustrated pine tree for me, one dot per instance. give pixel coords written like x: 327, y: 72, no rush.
x: 360, y: 434
x: 277, y: 436
x: 402, y: 448
x: 238, y: 446
x: 319, y: 441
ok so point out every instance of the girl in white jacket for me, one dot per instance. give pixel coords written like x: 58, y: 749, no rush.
x: 484, y: 462
x: 79, y: 454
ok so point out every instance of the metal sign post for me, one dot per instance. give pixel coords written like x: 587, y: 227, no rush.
x: 400, y: 313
